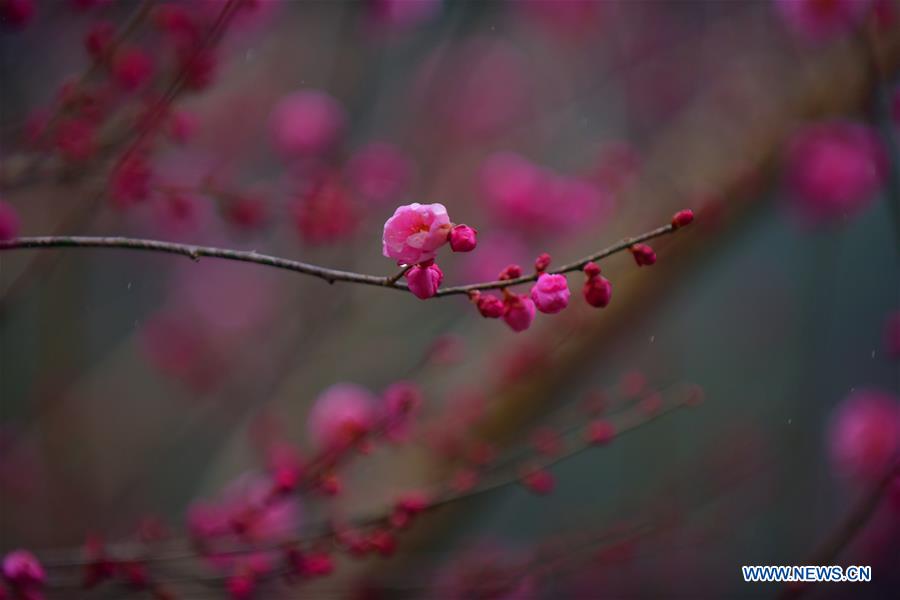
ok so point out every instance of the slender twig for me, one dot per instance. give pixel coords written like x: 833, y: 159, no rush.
x: 329, y: 275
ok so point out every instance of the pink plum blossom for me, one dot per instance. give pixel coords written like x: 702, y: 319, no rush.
x: 415, y: 232
x: 424, y: 280
x: 306, y: 122
x: 834, y: 169
x: 550, y: 293
x: 536, y: 199
x: 341, y: 414
x: 132, y: 69
x: 865, y: 434
x: 246, y: 508
x: 822, y: 19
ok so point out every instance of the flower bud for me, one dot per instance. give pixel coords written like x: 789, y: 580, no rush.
x: 591, y: 269
x: 597, y: 291
x: 520, y: 311
x: 490, y: 306
x: 424, y: 281
x: 550, y: 293
x: 511, y: 272
x: 682, y: 218
x: 463, y: 238
x: 542, y: 262
x: 643, y: 255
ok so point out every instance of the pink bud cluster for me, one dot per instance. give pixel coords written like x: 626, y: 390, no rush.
x: 550, y: 293
x: 412, y: 237
x: 346, y: 414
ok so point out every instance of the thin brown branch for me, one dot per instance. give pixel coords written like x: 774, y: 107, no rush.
x: 328, y: 274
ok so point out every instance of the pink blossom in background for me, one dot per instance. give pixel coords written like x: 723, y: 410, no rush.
x: 535, y: 199
x: 550, y: 293
x: 98, y: 38
x: 194, y: 340
x: 415, y: 232
x: 88, y: 4
x: 174, y: 345
x: 132, y: 69
x: 130, y: 182
x: 402, y: 14
x: 183, y: 126
x: 21, y: 568
x: 16, y: 13
x: 76, y: 139
x: 251, y: 15
x: 865, y: 434
x: 424, y: 280
x: 341, y: 414
x: 380, y: 172
x: 181, y: 213
x: 9, y: 221
x: 486, y: 570
x: 306, y: 122
x: 245, y: 509
x: 324, y: 212
x: 822, y: 19
x: 834, y: 169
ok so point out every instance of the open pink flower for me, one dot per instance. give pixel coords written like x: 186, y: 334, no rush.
x: 415, y: 232
x: 306, y: 122
x: 865, y: 434
x: 550, y: 293
x: 340, y: 415
x: 834, y: 169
